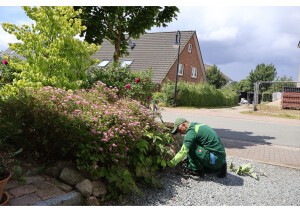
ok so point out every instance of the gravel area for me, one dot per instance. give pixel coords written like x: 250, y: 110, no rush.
x: 277, y: 186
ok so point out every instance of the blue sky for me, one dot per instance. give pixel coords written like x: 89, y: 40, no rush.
x: 235, y: 38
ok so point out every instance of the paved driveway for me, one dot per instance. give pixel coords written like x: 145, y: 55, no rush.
x: 246, y: 130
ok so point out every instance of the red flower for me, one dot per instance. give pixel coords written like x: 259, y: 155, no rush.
x: 137, y: 80
x: 5, y: 62
x: 147, y: 79
x: 0, y: 77
x: 128, y: 86
x: 149, y: 97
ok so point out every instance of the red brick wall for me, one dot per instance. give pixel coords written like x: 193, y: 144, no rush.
x: 189, y: 60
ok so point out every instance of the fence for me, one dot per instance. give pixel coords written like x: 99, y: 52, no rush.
x: 287, y: 92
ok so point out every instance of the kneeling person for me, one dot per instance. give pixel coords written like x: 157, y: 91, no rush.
x: 203, y: 148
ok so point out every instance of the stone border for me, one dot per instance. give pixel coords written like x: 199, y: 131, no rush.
x: 68, y: 199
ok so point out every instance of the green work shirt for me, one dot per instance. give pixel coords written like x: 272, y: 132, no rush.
x: 202, y: 135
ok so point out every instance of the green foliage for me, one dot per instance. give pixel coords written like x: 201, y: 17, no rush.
x: 280, y: 82
x: 119, y: 24
x: 141, y: 85
x: 7, y: 72
x: 158, y: 97
x: 168, y: 93
x: 6, y: 162
x: 53, y: 56
x: 243, y: 85
x: 244, y: 169
x: 267, y: 97
x: 215, y: 77
x: 198, y: 95
x: 262, y: 72
x: 117, y: 140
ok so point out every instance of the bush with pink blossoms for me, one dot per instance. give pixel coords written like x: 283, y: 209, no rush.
x: 116, y: 139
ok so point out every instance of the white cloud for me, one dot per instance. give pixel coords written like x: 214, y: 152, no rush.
x: 221, y: 34
x: 284, y: 41
x: 6, y: 38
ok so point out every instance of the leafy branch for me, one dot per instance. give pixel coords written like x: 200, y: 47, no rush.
x: 244, y: 169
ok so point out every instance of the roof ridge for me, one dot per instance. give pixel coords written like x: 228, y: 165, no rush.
x: 168, y: 32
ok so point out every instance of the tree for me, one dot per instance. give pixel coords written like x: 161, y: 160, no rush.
x: 53, y: 56
x: 215, y: 77
x: 262, y: 72
x: 112, y: 23
x: 243, y: 85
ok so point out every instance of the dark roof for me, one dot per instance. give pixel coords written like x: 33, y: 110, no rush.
x: 12, y: 53
x: 152, y: 50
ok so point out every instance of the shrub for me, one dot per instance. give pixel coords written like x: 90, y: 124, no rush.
x: 136, y: 85
x: 267, y: 97
x: 112, y: 138
x: 158, y: 97
x: 168, y: 93
x: 198, y: 95
x: 7, y: 72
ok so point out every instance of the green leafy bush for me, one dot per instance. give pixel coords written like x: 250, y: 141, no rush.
x: 136, y: 85
x: 113, y: 138
x: 158, y: 97
x: 7, y: 72
x: 168, y: 93
x: 267, y: 97
x: 198, y: 95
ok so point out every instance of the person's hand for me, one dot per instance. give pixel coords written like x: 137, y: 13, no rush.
x: 170, y: 164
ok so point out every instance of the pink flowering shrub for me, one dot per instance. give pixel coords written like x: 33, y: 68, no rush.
x: 113, y: 138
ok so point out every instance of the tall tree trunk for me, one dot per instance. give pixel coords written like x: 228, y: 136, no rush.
x: 117, y: 49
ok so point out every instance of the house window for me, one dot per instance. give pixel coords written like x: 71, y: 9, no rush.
x: 190, y: 48
x: 103, y: 63
x: 126, y: 62
x: 194, y: 72
x: 180, y: 69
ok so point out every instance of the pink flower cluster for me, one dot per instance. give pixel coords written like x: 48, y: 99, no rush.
x: 5, y: 62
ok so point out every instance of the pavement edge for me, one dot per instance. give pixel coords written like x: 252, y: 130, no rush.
x: 69, y: 199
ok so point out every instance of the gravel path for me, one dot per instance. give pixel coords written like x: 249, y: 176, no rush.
x: 276, y: 186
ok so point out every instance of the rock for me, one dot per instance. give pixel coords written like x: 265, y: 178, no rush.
x: 92, y: 201
x: 85, y: 187
x: 70, y: 176
x: 99, y: 189
x: 53, y: 171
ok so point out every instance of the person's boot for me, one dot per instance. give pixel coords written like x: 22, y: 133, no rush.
x: 223, y: 171
x: 199, y: 173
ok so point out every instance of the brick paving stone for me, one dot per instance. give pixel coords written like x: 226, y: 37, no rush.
x: 27, y: 199
x: 59, y: 184
x: 32, y: 179
x: 273, y: 154
x: 12, y: 184
x: 22, y: 190
x: 43, y: 185
x: 49, y: 193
